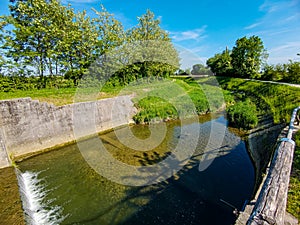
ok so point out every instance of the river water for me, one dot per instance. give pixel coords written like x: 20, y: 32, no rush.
x: 60, y: 187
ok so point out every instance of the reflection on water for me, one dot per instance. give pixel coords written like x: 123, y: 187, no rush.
x: 191, y: 196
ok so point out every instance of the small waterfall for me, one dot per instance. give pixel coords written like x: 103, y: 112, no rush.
x: 32, y: 195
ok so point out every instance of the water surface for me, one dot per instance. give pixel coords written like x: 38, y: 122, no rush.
x: 69, y: 191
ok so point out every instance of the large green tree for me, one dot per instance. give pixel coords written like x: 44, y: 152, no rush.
x: 158, y: 56
x: 247, y: 57
x: 52, y: 39
x: 220, y: 64
x: 49, y: 36
x: 110, y: 31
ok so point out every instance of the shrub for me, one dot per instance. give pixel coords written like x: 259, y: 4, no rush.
x: 153, y: 108
x: 243, y: 115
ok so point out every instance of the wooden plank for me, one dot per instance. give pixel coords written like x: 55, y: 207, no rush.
x: 271, y: 203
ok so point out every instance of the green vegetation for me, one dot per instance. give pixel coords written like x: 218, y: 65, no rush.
x: 200, y: 69
x: 287, y: 72
x: 244, y: 60
x: 43, y: 39
x: 243, y: 114
x: 247, y: 56
x: 293, y: 205
x: 220, y: 64
x: 272, y: 100
x: 15, y: 83
x: 247, y: 59
x: 172, y: 99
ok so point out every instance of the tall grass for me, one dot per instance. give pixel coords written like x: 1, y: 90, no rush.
x: 243, y: 114
x: 274, y: 100
x: 177, y: 98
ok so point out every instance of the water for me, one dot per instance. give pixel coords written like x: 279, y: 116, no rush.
x: 60, y: 187
x: 33, y: 192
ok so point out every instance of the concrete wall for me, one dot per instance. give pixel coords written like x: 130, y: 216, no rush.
x: 261, y: 145
x: 28, y: 126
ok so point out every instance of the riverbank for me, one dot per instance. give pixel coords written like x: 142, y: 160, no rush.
x: 29, y: 127
x: 41, y: 126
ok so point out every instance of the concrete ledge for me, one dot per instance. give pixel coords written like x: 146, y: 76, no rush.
x: 29, y: 127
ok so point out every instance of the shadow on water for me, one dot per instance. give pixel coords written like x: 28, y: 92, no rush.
x: 188, y: 197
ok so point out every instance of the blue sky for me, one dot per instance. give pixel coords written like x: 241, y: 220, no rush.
x: 202, y: 28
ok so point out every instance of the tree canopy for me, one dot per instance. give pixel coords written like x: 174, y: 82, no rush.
x: 200, y: 69
x: 48, y: 38
x: 247, y: 56
x: 245, y: 59
x: 220, y: 64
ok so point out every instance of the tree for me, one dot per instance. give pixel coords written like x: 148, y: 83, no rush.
x: 220, y: 64
x: 188, y: 71
x: 158, y: 56
x: 79, y: 46
x: 247, y: 55
x: 110, y: 36
x: 275, y: 72
x: 110, y: 31
x: 200, y: 69
x: 49, y: 37
x: 2, y: 25
x: 183, y: 72
x: 293, y: 69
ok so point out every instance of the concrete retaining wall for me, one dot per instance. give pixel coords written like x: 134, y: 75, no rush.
x: 28, y: 126
x: 261, y: 145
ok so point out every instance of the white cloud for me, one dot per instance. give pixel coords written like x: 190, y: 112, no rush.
x: 284, y: 52
x: 252, y: 26
x: 286, y: 46
x: 279, y: 29
x: 195, y: 34
x: 269, y: 6
x: 294, y: 17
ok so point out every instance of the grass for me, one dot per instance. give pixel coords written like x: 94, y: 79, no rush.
x: 277, y: 101
x: 177, y: 98
x: 155, y: 100
x: 293, y: 205
x: 61, y: 96
x: 243, y: 114
x: 54, y: 96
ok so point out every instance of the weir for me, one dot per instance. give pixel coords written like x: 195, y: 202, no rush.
x: 29, y: 127
x: 33, y: 194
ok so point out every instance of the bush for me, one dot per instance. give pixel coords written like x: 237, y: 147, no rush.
x: 154, y: 108
x: 243, y: 115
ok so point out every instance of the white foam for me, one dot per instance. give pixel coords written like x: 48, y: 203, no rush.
x: 32, y: 194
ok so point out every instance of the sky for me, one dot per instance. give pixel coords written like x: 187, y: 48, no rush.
x: 201, y: 28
